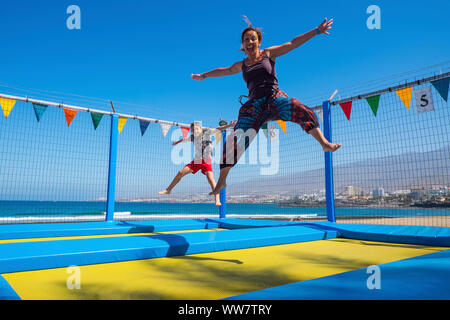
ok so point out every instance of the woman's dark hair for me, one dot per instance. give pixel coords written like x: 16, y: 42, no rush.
x: 258, y: 33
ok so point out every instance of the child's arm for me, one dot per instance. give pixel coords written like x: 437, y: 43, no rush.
x: 224, y: 127
x: 187, y: 139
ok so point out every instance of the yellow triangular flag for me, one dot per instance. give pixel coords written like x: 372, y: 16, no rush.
x: 122, y: 121
x: 7, y: 105
x: 405, y: 96
x: 282, y: 125
x: 218, y: 136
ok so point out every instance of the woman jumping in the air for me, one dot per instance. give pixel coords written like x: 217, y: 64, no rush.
x: 266, y: 102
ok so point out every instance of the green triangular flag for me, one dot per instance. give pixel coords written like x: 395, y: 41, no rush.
x: 264, y: 128
x: 96, y: 117
x: 373, y: 103
x: 442, y: 87
x: 39, y: 110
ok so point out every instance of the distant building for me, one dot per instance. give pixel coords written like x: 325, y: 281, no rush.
x: 417, y: 194
x: 378, y: 193
x: 351, y: 191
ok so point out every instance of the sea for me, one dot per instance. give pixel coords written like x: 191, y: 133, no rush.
x: 53, y: 211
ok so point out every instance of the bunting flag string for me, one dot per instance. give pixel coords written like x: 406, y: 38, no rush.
x: 184, y: 131
x: 143, y: 125
x: 405, y: 96
x: 96, y: 117
x: 441, y: 86
x: 373, y: 103
x: 422, y: 96
x: 164, y: 129
x: 347, y: 108
x: 7, y: 105
x: 122, y: 121
x: 69, y: 114
x: 39, y: 110
x: 282, y: 125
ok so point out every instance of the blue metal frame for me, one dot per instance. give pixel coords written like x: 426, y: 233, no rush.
x: 329, y: 188
x: 112, y: 167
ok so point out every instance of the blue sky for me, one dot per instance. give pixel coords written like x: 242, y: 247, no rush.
x: 140, y: 54
x: 143, y: 52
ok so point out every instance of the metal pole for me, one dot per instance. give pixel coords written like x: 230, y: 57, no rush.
x: 223, y: 192
x: 112, y: 167
x: 329, y: 189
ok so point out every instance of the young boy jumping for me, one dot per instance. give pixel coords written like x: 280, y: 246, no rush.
x: 203, y: 147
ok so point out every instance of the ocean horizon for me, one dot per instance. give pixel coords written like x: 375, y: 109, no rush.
x: 22, y: 209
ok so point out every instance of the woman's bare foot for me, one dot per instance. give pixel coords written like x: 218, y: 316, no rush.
x: 164, y: 192
x: 217, y: 196
x: 331, y: 147
x: 219, y: 186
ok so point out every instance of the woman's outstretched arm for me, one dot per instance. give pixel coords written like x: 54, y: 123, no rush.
x: 219, y: 72
x: 277, y: 51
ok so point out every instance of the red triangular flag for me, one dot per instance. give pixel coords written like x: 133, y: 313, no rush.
x: 184, y: 131
x: 347, y: 108
x: 70, y: 114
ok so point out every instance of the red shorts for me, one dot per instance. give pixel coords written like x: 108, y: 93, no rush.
x: 205, y: 166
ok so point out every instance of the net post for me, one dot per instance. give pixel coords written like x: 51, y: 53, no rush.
x: 112, y: 167
x: 329, y: 188
x: 223, y: 192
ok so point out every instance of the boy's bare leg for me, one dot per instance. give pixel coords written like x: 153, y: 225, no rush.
x: 222, y: 181
x: 186, y: 170
x: 326, y: 145
x: 212, y: 183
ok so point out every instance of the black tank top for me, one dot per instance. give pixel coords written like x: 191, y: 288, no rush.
x: 260, y: 77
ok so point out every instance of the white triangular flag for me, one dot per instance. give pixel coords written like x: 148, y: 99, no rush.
x: 424, y: 99
x: 165, y: 128
x: 319, y: 112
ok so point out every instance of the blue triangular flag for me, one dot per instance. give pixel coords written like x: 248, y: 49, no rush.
x: 39, y: 110
x: 143, y: 124
x: 442, y: 87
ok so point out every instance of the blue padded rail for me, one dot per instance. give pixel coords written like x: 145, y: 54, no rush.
x: 430, y: 236
x: 25, y: 256
x: 41, y: 230
x: 420, y: 278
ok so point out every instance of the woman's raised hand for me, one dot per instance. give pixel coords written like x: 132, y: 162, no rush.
x: 325, y: 26
x: 198, y: 77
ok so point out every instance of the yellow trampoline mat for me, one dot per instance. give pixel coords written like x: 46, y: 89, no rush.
x: 211, y: 275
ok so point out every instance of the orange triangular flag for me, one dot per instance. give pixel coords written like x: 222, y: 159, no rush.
x: 184, y: 131
x: 7, y: 105
x: 70, y: 114
x: 347, y: 108
x: 405, y: 96
x: 122, y: 121
x: 282, y: 125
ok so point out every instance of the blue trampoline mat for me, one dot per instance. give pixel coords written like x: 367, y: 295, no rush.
x: 424, y: 277
x: 26, y: 256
